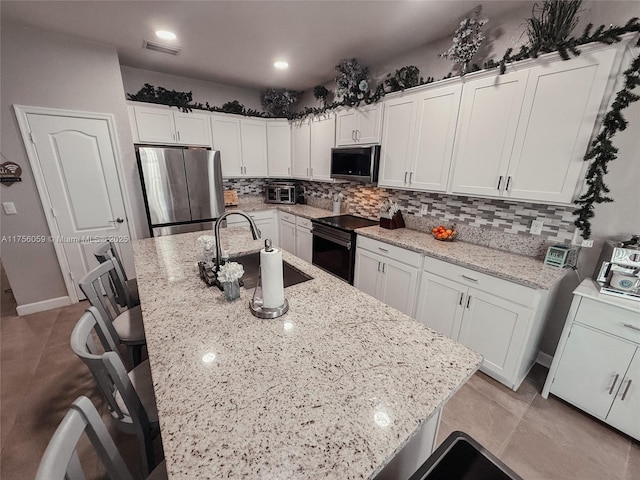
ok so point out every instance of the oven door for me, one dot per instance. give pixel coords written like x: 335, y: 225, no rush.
x: 334, y: 251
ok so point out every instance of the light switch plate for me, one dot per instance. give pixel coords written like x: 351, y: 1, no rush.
x: 536, y: 227
x: 9, y: 208
x: 424, y: 209
x: 587, y: 243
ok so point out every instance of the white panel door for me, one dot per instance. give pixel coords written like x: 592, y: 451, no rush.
x: 300, y: 148
x: 323, y: 131
x: 368, y: 123
x: 625, y: 412
x: 287, y: 236
x: 155, y: 125
x: 254, y: 147
x: 398, y: 285
x: 398, y: 133
x: 304, y: 244
x: 494, y: 328
x: 226, y: 138
x: 279, y: 149
x: 592, y: 366
x: 77, y: 160
x: 436, y: 122
x: 192, y: 128
x: 441, y: 304
x: 367, y: 272
x: 489, y: 113
x: 558, y: 115
x: 346, y: 127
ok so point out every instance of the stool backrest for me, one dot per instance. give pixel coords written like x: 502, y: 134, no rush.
x: 105, y: 252
x: 99, y: 287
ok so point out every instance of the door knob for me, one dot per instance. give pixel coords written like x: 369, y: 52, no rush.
x: 117, y: 220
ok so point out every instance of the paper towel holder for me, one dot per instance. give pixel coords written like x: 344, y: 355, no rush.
x: 255, y: 304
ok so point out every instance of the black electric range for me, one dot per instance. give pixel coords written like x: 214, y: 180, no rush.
x: 334, y: 243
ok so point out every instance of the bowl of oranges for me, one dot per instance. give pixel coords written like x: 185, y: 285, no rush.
x: 445, y: 234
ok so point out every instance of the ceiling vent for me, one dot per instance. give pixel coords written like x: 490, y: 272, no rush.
x: 158, y: 47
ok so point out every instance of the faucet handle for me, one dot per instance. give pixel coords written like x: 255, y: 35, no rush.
x: 267, y: 245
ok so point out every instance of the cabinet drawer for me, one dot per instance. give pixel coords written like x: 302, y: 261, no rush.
x: 303, y: 222
x: 501, y: 288
x: 257, y: 216
x: 617, y: 321
x: 397, y: 253
x: 288, y: 217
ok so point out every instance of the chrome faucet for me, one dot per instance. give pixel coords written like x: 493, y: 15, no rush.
x: 254, y: 231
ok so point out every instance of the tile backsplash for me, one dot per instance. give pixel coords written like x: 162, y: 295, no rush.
x: 493, y: 222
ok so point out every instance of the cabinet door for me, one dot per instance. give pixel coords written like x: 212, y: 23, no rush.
x: 398, y: 284
x: 495, y: 328
x: 560, y: 108
x: 367, y: 270
x: 346, y: 127
x: 300, y: 148
x: 323, y: 130
x: 279, y: 149
x: 287, y: 236
x: 398, y: 132
x: 436, y: 121
x: 155, y: 125
x: 625, y: 412
x: 254, y: 147
x: 368, y: 122
x: 441, y: 304
x: 591, y: 368
x: 489, y: 113
x: 226, y: 139
x: 304, y: 244
x: 192, y: 128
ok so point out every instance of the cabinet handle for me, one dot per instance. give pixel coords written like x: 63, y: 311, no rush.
x: 499, y: 182
x: 357, y: 135
x: 311, y: 170
x: 626, y: 390
x: 383, y: 268
x: 405, y: 177
x: 461, y: 298
x: 468, y: 301
x: 410, y: 175
x: 470, y: 279
x: 353, y: 135
x: 632, y: 327
x: 615, y: 380
x: 178, y: 133
x: 378, y: 266
x: 508, y: 182
x: 288, y: 170
x: 383, y: 249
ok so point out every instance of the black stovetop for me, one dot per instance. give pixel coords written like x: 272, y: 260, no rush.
x: 346, y: 222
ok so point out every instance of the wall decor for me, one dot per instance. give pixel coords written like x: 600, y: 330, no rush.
x: 278, y: 102
x: 404, y: 78
x: 552, y: 23
x: 10, y: 173
x: 466, y: 40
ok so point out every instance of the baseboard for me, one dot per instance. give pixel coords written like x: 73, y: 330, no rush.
x: 544, y: 359
x: 36, y: 307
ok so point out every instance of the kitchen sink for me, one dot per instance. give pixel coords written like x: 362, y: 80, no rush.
x: 251, y: 264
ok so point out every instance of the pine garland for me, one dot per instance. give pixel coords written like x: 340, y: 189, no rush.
x: 603, y: 151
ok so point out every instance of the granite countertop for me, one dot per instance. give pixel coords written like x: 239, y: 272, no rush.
x: 295, y: 397
x: 521, y: 269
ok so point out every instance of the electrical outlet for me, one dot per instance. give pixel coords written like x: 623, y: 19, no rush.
x: 587, y: 243
x: 9, y: 208
x: 424, y: 209
x: 536, y: 227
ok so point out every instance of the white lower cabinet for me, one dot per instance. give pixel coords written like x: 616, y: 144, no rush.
x: 296, y: 236
x: 500, y: 320
x: 597, y: 362
x: 265, y: 221
x: 387, y: 273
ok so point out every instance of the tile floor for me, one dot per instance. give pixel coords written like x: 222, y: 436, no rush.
x: 539, y: 439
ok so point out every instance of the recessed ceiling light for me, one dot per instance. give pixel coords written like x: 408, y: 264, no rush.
x: 281, y: 65
x: 165, y: 35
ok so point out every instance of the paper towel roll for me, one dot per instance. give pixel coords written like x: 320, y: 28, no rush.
x: 272, y: 278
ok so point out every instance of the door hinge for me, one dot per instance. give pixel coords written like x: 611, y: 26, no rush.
x: 53, y: 212
x: 31, y: 137
x: 71, y: 276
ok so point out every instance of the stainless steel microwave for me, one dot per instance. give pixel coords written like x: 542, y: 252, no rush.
x: 359, y: 164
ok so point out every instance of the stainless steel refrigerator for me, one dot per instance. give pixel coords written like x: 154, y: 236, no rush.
x: 182, y: 188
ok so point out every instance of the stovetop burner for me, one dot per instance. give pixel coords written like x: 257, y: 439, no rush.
x: 346, y: 222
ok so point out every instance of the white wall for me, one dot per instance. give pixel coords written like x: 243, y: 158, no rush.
x: 48, y: 70
x: 203, y: 91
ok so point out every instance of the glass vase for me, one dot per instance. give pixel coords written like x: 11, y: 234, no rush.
x: 231, y: 290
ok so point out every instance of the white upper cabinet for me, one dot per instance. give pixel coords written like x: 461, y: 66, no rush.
x: 242, y: 144
x: 162, y: 125
x: 489, y: 113
x: 253, y: 134
x: 560, y: 108
x: 300, y: 148
x: 279, y: 148
x: 359, y: 126
x: 226, y: 139
x: 418, y: 137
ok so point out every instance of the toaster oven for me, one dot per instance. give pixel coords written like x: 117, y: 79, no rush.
x: 280, y: 192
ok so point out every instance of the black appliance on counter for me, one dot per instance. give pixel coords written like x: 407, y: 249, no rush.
x: 334, y: 243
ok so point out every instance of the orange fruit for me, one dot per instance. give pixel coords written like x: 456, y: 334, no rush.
x: 434, y: 229
x: 449, y: 232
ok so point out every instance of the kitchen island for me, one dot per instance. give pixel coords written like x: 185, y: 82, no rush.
x: 333, y: 389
